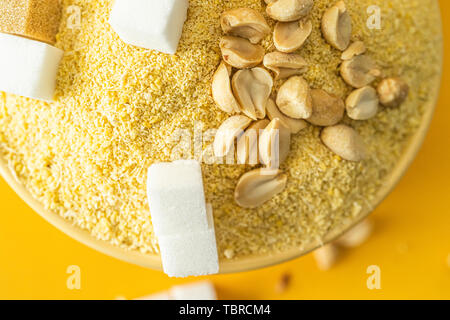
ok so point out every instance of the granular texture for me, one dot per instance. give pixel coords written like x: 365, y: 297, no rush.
x: 35, y: 19
x: 118, y: 109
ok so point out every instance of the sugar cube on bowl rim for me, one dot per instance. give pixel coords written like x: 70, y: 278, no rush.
x: 195, y: 254
x: 176, y: 198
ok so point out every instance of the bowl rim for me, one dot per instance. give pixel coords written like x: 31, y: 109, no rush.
x: 153, y: 261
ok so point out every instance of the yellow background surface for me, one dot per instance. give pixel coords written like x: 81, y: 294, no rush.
x: 411, y: 245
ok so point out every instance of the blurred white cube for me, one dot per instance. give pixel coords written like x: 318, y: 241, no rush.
x: 150, y: 24
x: 202, y: 290
x: 163, y: 295
x: 176, y: 198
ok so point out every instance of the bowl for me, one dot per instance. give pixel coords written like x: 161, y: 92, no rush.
x: 153, y: 261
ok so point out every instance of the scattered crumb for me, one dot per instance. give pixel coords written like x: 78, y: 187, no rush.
x: 283, y: 283
x: 229, y: 253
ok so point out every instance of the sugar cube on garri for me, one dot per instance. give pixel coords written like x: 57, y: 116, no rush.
x: 176, y: 197
x: 27, y: 67
x: 150, y: 24
x: 182, y: 221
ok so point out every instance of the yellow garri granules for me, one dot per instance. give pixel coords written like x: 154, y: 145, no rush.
x: 117, y: 108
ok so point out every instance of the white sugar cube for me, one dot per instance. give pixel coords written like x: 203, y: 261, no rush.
x: 182, y: 221
x: 191, y: 254
x: 27, y: 67
x: 151, y: 24
x: 202, y: 290
x: 176, y: 198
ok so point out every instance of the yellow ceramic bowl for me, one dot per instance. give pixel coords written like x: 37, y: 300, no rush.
x: 237, y: 265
